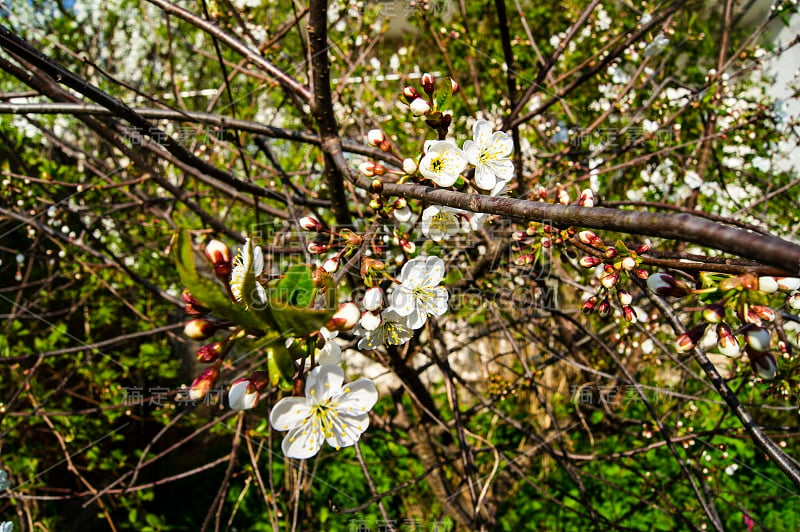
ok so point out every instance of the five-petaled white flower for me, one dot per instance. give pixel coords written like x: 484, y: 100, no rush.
x: 244, y: 262
x: 439, y: 222
x: 328, y: 412
x: 419, y: 295
x: 443, y: 162
x: 392, y: 329
x: 489, y: 152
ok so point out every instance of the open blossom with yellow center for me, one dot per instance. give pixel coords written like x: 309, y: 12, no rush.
x: 443, y: 162
x: 419, y: 294
x: 490, y: 153
x: 247, y: 260
x: 329, y: 412
x: 439, y: 222
x: 392, y: 329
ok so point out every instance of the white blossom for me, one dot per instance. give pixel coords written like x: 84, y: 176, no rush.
x: 489, y: 152
x: 443, y: 162
x: 328, y: 412
x: 419, y: 294
x: 392, y: 329
x: 247, y: 262
x: 439, y: 222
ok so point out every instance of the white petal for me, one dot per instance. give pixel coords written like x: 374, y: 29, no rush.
x: 302, y: 442
x: 482, y: 132
x: 484, y: 177
x: 258, y: 261
x: 417, y: 319
x: 434, y: 270
x: 357, y: 397
x: 503, y: 169
x: 347, y: 430
x: 403, y: 301
x: 502, y: 144
x: 238, y: 398
x: 330, y: 354
x: 472, y: 152
x: 324, y: 382
x: 289, y: 412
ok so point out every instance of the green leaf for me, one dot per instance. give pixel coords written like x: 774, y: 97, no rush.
x: 290, y: 299
x: 209, y: 293
x: 281, y: 367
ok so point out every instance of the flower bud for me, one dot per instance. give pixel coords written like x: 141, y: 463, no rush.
x: 764, y: 312
x: 219, y: 255
x: 604, y: 308
x: 546, y: 242
x: 714, y: 313
x: 193, y: 307
x: 729, y: 283
x: 591, y: 239
x: 345, y: 318
x: 625, y: 297
x: 768, y: 284
x: 628, y: 263
x: 688, y: 340
x: 315, y: 248
x: 589, y: 305
x: 763, y: 364
x: 641, y: 273
x: 587, y: 198
x: 199, y: 329
x: 749, y: 281
x: 751, y: 317
x: 309, y: 223
x: 428, y: 83
x: 210, y: 352
x: 410, y: 94
x: 589, y: 261
x: 204, y: 382
x: 642, y: 249
x: 453, y: 86
x: 563, y: 197
x: 367, y: 168
x: 407, y: 246
x: 788, y: 283
x: 331, y: 265
x: 370, y: 320
x: 419, y: 107
x: 609, y: 280
x: 373, y: 299
x: 757, y: 337
x: 518, y: 236
x: 524, y: 260
x: 409, y: 166
x: 611, y: 253
x: 664, y: 285
x: 629, y: 314
x: 375, y: 137
x: 244, y: 393
x: 376, y: 186
x: 794, y: 301
x: 726, y: 343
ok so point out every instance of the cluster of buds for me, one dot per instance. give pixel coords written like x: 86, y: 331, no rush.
x: 617, y: 262
x: 346, y: 241
x: 539, y: 239
x: 428, y: 106
x: 734, y: 298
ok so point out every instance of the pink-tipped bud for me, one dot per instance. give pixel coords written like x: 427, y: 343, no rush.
x: 794, y: 301
x: 331, y: 265
x: 375, y: 137
x: 714, y: 313
x: 768, y: 284
x: 751, y: 317
x: 410, y: 94
x: 315, y: 248
x: 726, y: 341
x: 628, y: 263
x: 409, y: 166
x: 204, y: 382
x: 309, y: 223
x: 604, y: 308
x: 219, y: 255
x: 407, y: 246
x: 367, y: 168
x: 641, y: 273
x: 419, y: 107
x: 664, y: 285
x: 591, y: 239
x: 373, y: 299
x: 611, y: 253
x: 563, y: 197
x: 524, y: 260
x: 625, y: 297
x: 629, y: 313
x: 589, y: 305
x: 210, y: 353
x: 370, y: 320
x: 763, y: 364
x: 609, y: 279
x: 788, y: 284
x: 199, y: 329
x: 764, y: 312
x: 546, y: 242
x: 428, y: 83
x: 518, y: 236
x: 587, y: 198
x: 345, y: 318
x: 642, y: 249
x: 757, y: 337
x: 453, y: 86
x: 589, y: 261
x: 688, y: 340
x: 244, y: 393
